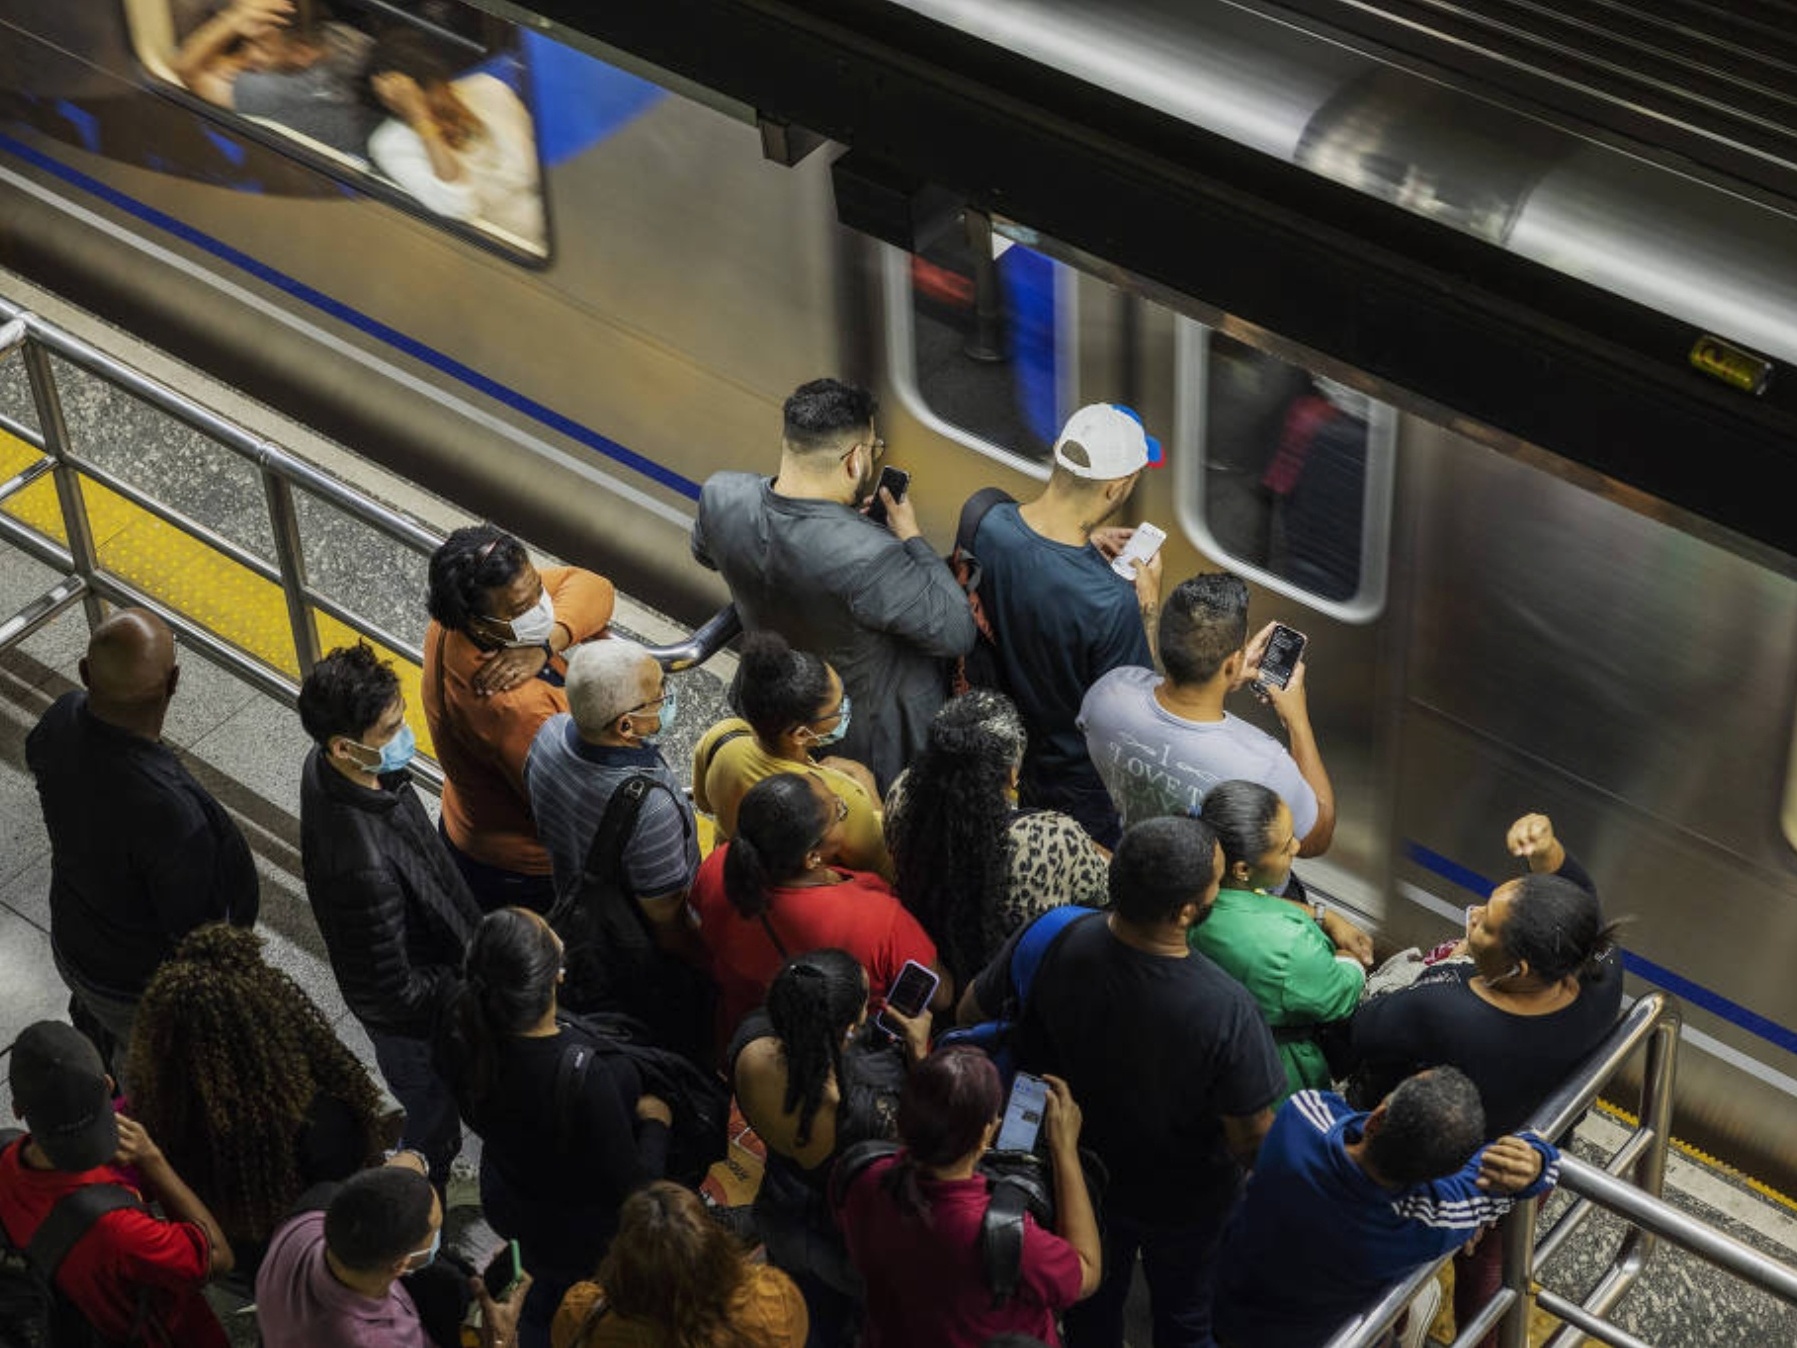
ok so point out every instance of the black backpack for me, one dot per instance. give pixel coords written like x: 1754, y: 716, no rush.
x: 613, y: 962
x: 34, y: 1312
x: 980, y: 667
x: 700, y: 1102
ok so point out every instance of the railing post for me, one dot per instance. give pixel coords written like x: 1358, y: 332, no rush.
x: 290, y: 556
x: 1517, y: 1230
x: 48, y: 402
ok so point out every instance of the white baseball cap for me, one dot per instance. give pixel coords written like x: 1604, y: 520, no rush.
x: 1113, y: 441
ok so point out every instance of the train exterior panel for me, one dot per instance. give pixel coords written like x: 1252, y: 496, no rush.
x: 1495, y: 630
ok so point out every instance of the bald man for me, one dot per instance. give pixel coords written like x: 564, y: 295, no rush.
x: 140, y: 853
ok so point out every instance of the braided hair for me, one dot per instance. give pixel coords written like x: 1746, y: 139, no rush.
x: 811, y: 1004
x: 228, y: 1059
x: 508, y: 986
x: 778, y: 823
x: 950, y: 842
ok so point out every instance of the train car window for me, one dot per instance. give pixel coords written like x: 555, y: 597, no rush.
x: 980, y: 341
x: 1284, y: 474
x: 428, y: 104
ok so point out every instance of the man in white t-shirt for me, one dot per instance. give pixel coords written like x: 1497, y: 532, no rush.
x: 1161, y: 743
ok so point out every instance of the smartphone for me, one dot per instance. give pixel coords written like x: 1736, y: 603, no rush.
x: 895, y: 480
x: 1142, y: 545
x: 504, y: 1271
x: 910, y: 993
x: 1023, y: 1114
x: 1284, y: 649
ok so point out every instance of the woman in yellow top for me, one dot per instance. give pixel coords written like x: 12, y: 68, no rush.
x: 673, y: 1276
x: 793, y: 708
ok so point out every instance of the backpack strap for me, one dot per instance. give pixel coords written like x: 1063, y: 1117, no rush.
x: 973, y: 514
x: 73, y: 1216
x: 853, y: 1163
x: 570, y: 1079
x: 605, y: 854
x: 702, y: 769
x: 1041, y: 936
x: 1001, y: 1240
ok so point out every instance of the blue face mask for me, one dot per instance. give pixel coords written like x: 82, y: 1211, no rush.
x: 668, y: 708
x: 842, y: 727
x: 428, y: 1255
x: 395, y: 753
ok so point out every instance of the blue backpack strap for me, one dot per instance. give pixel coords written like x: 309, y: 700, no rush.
x: 1035, y: 944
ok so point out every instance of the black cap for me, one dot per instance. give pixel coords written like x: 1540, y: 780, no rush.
x: 59, y: 1084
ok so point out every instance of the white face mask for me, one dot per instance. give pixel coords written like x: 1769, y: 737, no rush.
x: 533, y: 626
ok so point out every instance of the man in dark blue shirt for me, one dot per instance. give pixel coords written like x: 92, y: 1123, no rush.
x: 140, y: 852
x: 1375, y: 1195
x: 1061, y: 617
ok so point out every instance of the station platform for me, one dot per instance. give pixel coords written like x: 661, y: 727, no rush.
x: 248, y: 747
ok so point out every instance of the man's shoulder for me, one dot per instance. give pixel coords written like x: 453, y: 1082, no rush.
x: 1124, y: 691
x: 732, y: 488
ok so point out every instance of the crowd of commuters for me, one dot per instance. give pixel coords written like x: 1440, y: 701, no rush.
x: 1093, y: 872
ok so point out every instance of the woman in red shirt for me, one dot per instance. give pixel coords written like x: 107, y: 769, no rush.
x: 772, y: 892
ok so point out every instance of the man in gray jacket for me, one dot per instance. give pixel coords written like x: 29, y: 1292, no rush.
x: 800, y: 557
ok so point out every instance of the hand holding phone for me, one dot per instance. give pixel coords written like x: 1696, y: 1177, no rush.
x: 895, y: 480
x: 1285, y: 648
x: 504, y: 1271
x: 1142, y: 545
x: 910, y: 993
x: 1024, y: 1111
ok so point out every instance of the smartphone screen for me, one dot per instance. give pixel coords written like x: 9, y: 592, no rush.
x: 503, y: 1272
x: 910, y: 992
x: 1023, y: 1114
x: 1143, y: 543
x: 895, y: 480
x: 1284, y: 649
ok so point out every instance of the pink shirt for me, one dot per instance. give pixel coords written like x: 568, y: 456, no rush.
x: 926, y: 1283
x: 300, y: 1303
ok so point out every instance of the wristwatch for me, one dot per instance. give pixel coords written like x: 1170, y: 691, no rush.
x: 1319, y: 909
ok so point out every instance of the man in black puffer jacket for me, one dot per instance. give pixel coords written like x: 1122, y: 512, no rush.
x: 395, y: 912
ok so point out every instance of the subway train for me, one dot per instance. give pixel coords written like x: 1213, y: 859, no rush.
x: 1494, y: 628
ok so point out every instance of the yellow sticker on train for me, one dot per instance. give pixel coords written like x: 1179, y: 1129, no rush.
x: 1732, y: 364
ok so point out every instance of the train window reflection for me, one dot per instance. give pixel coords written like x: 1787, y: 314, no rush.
x: 430, y: 99
x: 979, y: 339
x: 1287, y: 472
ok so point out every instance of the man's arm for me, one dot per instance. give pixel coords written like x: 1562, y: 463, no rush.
x: 1075, y: 1221
x: 1505, y: 1172
x: 1292, y: 705
x: 362, y: 919
x: 910, y: 592
x: 179, y: 1203
x: 1243, y: 1133
x: 208, y: 875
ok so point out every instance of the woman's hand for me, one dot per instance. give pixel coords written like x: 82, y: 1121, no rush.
x: 507, y: 668
x: 917, y: 1032
x: 1532, y: 838
x: 654, y: 1109
x: 1061, y: 1120
x: 402, y: 97
x: 1348, y: 938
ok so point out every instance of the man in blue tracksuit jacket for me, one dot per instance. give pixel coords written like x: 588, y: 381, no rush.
x: 1364, y: 1199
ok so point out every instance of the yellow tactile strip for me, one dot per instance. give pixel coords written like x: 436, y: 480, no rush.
x: 188, y: 576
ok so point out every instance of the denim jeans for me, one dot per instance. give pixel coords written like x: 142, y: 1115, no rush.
x: 433, y: 1125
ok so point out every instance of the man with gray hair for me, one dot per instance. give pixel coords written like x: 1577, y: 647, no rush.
x: 599, y: 755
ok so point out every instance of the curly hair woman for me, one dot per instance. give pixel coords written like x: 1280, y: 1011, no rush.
x: 811, y: 1079
x: 674, y: 1278
x: 776, y: 889
x: 970, y: 864
x: 237, y: 1074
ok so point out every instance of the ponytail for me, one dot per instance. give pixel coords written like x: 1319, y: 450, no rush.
x: 508, y: 986
x: 778, y: 823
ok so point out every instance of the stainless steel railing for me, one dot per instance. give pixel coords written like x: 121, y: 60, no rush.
x: 1627, y: 1185
x: 88, y: 581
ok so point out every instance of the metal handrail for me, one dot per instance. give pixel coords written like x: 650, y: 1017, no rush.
x: 279, y: 472
x: 1651, y: 1024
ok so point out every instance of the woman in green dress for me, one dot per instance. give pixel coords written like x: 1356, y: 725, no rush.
x: 1303, y: 964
